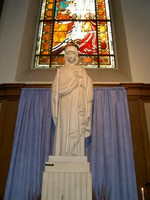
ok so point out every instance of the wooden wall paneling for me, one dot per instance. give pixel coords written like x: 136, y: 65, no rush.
x: 145, y: 136
x: 138, y: 145
x: 6, y: 141
x: 9, y: 98
x: 137, y: 95
x: 146, y: 140
x: 2, y: 159
x: 2, y: 114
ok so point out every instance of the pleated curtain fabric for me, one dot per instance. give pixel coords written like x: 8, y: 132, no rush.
x: 109, y: 148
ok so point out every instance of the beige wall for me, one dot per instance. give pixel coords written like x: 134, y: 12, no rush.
x: 18, y: 26
x: 136, y: 19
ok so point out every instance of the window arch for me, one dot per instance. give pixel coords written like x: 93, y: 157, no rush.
x: 84, y: 22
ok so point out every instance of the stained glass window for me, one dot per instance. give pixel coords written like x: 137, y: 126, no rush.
x: 84, y: 22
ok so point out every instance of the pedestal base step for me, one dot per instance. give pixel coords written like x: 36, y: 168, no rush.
x: 69, y: 180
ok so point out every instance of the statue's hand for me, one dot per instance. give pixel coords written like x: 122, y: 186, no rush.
x: 55, y: 120
x: 78, y: 74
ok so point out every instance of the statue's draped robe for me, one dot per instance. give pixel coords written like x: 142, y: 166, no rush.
x: 72, y: 95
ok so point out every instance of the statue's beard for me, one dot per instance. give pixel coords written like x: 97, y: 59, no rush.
x: 71, y: 60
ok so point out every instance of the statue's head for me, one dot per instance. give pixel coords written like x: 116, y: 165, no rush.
x: 71, y: 54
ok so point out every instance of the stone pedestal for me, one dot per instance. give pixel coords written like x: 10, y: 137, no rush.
x: 67, y: 178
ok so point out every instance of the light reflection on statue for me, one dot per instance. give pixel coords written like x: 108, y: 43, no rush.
x: 72, y: 95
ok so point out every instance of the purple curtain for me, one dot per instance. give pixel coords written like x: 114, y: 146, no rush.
x: 109, y: 149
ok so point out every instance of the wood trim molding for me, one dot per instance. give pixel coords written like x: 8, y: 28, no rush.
x: 13, y: 90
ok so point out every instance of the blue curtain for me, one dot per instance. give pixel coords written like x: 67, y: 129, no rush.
x: 109, y: 149
x: 31, y: 145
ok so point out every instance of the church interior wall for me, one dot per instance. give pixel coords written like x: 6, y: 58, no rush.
x: 136, y: 19
x: 18, y: 32
x: 18, y: 25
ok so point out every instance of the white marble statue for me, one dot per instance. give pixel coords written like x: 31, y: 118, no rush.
x: 72, y: 95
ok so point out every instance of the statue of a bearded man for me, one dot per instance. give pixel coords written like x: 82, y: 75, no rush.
x: 72, y: 95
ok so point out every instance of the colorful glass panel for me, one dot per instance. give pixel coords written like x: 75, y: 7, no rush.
x: 84, y: 22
